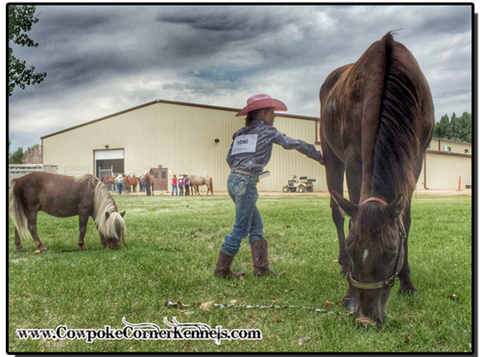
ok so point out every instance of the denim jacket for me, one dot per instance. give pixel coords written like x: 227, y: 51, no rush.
x: 254, y: 162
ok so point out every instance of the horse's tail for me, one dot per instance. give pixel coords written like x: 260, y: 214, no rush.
x: 147, y: 184
x: 17, y: 212
x: 211, y: 185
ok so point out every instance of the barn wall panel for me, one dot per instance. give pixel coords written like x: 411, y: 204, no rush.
x: 182, y: 137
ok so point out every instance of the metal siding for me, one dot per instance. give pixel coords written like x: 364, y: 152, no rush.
x: 181, y: 138
x: 443, y: 171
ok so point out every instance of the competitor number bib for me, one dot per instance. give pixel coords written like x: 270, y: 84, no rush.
x: 244, y: 144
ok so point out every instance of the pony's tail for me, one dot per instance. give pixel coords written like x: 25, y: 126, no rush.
x: 211, y: 185
x: 17, y: 213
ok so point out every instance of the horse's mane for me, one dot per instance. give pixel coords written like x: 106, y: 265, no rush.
x: 396, y: 144
x: 103, y: 202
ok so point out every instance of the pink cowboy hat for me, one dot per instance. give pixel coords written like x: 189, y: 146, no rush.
x: 261, y: 101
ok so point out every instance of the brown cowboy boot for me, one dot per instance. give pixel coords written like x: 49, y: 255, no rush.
x: 223, y: 267
x: 260, y: 258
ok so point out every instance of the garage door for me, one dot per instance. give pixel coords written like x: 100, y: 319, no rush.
x: 113, y: 160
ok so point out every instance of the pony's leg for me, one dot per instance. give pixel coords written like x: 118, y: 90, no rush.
x: 83, y: 220
x: 32, y: 227
x: 18, y: 243
x: 406, y: 286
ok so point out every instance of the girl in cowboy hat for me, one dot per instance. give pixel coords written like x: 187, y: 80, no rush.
x: 249, y: 153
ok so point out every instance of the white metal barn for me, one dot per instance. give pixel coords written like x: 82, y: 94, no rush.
x: 192, y: 138
x: 181, y: 137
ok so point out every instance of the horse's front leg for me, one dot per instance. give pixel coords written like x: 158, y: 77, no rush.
x: 350, y: 298
x: 343, y: 258
x: 83, y: 220
x: 406, y: 286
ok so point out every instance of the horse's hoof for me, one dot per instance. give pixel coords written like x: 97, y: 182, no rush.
x: 45, y: 250
x: 408, y: 292
x: 350, y: 304
x: 19, y: 249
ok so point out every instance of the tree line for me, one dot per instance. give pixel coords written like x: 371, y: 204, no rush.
x: 455, y: 128
x: 33, y: 155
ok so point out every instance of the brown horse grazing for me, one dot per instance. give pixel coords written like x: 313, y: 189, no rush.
x: 376, y: 122
x: 109, y: 179
x: 196, y: 181
x: 148, y: 182
x: 64, y: 196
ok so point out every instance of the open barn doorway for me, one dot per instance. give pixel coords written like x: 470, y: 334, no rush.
x: 109, y: 163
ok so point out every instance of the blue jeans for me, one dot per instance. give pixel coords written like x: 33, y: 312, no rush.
x: 243, y: 191
x: 174, y: 188
x: 119, y: 187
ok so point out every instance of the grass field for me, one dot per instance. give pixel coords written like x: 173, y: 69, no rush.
x: 173, y: 247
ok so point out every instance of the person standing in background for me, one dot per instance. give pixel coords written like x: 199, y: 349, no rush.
x: 187, y: 185
x: 174, y: 185
x: 181, y: 184
x: 119, y: 183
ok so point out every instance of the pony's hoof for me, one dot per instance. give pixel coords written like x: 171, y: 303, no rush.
x: 45, y: 250
x: 350, y: 304
x: 19, y: 249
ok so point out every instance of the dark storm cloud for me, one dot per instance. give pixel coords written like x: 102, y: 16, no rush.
x: 103, y: 59
x: 238, y: 20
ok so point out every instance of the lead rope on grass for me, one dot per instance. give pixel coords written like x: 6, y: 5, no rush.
x: 178, y: 305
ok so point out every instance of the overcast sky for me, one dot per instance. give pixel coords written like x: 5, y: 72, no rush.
x: 104, y: 59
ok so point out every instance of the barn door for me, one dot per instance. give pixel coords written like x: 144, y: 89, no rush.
x: 160, y: 179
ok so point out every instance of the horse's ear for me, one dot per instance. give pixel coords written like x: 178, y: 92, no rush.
x: 347, y: 207
x: 396, y: 207
x: 107, y: 214
x: 123, y: 213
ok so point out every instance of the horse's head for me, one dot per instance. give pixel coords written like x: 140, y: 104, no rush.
x: 375, y: 246
x: 115, y: 230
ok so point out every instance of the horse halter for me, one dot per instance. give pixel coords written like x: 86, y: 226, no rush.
x: 398, y: 263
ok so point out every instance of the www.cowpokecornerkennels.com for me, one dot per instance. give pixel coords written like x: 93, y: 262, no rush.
x: 144, y: 331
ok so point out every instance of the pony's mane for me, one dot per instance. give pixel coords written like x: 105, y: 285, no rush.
x: 396, y: 144
x: 86, y: 177
x: 103, y: 202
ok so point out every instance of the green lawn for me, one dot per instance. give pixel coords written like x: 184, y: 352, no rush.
x: 174, y: 244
